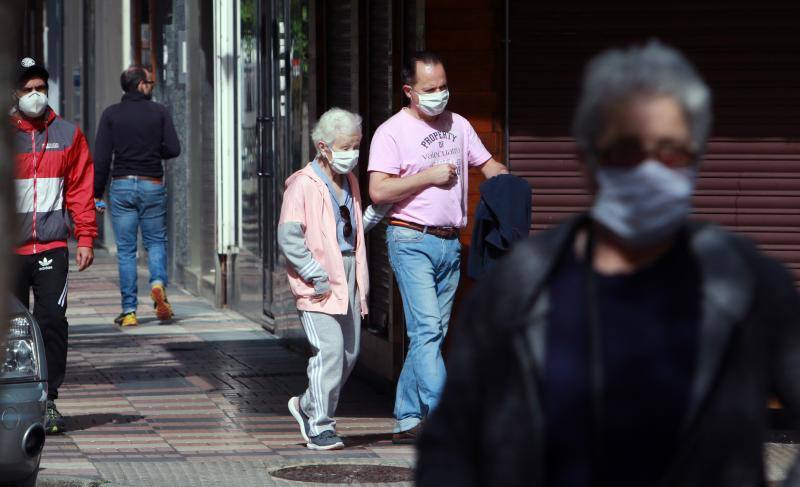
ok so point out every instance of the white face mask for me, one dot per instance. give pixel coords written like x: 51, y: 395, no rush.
x: 343, y: 161
x: 433, y: 104
x: 645, y: 204
x: 33, y: 104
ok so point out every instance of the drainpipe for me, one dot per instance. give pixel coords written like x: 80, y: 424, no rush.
x: 127, y: 60
x: 224, y: 142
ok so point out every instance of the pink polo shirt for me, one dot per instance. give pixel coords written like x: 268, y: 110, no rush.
x: 405, y: 145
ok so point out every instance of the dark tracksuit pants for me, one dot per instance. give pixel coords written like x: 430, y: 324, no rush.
x: 46, y: 274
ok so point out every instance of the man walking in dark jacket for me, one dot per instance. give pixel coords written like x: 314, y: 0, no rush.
x: 138, y: 133
x: 627, y: 346
x: 53, y: 176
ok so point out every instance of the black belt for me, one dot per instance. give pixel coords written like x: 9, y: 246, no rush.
x: 143, y: 178
x: 441, y: 232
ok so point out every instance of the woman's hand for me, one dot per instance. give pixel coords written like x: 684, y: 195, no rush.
x: 322, y: 288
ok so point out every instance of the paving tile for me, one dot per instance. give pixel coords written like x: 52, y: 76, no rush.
x: 209, y: 389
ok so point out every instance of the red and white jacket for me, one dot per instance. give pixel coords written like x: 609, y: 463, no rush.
x: 54, y: 173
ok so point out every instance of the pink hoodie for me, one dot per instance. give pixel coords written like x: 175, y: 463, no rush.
x: 306, y: 200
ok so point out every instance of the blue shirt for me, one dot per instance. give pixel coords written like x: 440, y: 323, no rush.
x: 649, y: 322
x: 346, y: 244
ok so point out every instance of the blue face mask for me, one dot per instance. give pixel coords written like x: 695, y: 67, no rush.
x: 643, y: 205
x: 433, y: 104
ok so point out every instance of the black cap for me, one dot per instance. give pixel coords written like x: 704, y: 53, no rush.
x: 29, y: 69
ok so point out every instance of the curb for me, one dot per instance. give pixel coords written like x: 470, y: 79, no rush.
x: 65, y: 481
x: 340, y: 461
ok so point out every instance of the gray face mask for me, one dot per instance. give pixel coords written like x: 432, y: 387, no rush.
x: 643, y: 205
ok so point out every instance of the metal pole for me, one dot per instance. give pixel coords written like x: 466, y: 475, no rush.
x: 11, y: 14
x: 54, y: 60
x: 507, y: 127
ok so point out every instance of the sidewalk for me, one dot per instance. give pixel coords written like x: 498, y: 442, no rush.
x: 198, y: 402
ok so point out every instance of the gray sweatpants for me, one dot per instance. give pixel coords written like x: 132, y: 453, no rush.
x: 334, y: 340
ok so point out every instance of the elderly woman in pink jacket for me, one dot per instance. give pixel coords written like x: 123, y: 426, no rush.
x: 321, y: 234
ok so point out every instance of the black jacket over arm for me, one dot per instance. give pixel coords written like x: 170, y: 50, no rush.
x: 489, y: 427
x: 139, y: 134
x: 502, y: 218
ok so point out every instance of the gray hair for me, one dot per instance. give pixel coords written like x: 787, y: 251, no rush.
x: 333, y: 124
x: 616, y: 75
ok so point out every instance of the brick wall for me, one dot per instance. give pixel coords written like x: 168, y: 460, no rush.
x: 468, y: 35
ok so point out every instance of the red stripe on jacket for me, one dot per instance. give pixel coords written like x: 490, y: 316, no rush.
x: 74, y: 165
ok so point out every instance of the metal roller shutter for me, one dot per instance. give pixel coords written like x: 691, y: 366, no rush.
x: 750, y: 181
x: 341, y: 55
x: 380, y: 107
x: 382, y: 339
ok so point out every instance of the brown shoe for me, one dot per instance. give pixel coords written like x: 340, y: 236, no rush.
x: 408, y: 437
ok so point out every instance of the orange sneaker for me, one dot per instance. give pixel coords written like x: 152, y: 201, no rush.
x: 160, y: 303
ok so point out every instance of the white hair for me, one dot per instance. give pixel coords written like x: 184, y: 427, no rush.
x: 333, y: 124
x: 614, y: 76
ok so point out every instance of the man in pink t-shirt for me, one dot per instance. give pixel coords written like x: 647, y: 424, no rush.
x: 419, y: 161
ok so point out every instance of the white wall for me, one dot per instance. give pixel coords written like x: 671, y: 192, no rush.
x: 110, y: 51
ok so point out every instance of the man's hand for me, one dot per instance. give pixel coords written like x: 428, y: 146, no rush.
x: 84, y: 258
x: 442, y: 174
x: 100, y: 205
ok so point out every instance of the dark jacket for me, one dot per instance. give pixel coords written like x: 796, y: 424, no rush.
x: 139, y: 133
x: 489, y: 428
x: 503, y: 217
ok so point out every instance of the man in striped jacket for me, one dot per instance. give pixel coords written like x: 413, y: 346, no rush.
x: 54, y: 173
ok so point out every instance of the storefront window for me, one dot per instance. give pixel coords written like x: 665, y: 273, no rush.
x: 248, y: 267
x: 272, y: 142
x: 299, y: 75
x: 248, y: 101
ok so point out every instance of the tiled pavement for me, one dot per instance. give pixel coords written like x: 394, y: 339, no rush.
x: 198, y: 402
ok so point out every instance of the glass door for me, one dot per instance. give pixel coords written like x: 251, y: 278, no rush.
x: 256, y: 183
x: 287, y: 143
x: 266, y: 120
x: 272, y: 102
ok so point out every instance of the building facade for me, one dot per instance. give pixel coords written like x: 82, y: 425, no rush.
x: 245, y: 79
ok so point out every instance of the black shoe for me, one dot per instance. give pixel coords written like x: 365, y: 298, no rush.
x: 408, y: 437
x: 54, y: 423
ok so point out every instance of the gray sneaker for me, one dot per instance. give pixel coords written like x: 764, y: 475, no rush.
x: 327, y: 440
x: 300, y: 417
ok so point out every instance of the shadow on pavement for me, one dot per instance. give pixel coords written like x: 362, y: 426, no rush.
x: 254, y: 375
x: 365, y: 440
x: 87, y: 421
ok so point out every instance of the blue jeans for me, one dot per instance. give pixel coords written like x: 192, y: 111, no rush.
x: 136, y: 203
x: 427, y: 269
